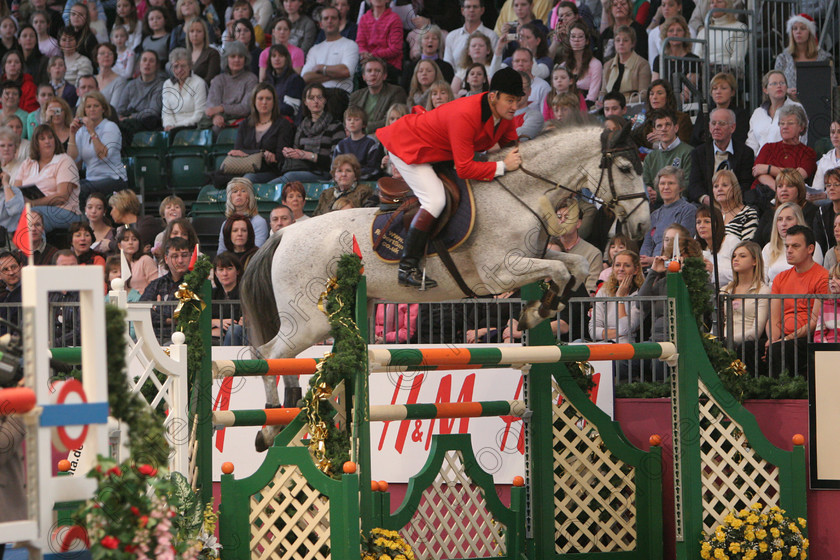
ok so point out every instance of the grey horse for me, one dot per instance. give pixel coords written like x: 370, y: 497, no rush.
x: 514, y: 215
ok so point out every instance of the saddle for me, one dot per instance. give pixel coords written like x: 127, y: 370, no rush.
x: 396, y: 197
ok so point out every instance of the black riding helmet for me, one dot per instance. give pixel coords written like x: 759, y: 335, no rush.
x: 507, y: 80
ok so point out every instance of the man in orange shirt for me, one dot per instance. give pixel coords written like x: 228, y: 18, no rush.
x: 792, y: 322
x: 454, y: 131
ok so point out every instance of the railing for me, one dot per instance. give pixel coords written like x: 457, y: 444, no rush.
x: 690, y: 92
x: 728, y: 49
x: 488, y: 320
x: 749, y: 341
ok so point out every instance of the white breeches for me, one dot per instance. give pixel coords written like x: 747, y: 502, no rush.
x: 425, y: 183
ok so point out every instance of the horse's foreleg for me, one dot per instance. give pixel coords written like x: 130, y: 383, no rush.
x: 555, y: 269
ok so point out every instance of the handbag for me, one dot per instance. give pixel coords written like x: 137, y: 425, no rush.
x: 240, y: 165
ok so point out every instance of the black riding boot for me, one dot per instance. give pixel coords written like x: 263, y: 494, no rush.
x: 410, y: 273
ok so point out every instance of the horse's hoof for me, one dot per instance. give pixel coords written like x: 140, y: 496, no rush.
x: 259, y: 442
x: 530, y: 316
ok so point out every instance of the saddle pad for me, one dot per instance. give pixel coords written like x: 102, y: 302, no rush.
x: 455, y: 232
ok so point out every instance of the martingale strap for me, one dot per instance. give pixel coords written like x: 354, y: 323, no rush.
x: 447, y: 261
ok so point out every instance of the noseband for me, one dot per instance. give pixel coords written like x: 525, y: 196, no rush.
x: 606, y: 165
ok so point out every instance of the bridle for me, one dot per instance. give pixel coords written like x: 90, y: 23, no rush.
x: 606, y: 166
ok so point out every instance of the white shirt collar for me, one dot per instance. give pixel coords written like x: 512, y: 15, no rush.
x: 729, y: 148
x: 673, y: 145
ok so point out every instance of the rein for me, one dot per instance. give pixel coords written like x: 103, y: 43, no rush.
x: 606, y: 166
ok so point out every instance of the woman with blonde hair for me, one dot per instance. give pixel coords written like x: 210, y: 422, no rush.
x: 426, y: 73
x: 95, y: 142
x: 242, y: 200
x: 786, y: 216
x: 438, y: 94
x: 739, y: 219
x: 746, y: 318
x: 618, y: 321
x: 479, y: 50
x: 802, y: 47
x: 790, y: 187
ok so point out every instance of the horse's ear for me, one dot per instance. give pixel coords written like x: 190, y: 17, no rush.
x: 612, y: 138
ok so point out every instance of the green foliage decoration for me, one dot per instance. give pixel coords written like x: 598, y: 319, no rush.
x: 347, y: 360
x: 187, y: 321
x: 139, y: 512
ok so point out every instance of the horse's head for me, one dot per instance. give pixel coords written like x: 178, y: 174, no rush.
x: 620, y: 185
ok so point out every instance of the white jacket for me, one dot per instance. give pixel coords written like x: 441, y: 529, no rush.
x: 184, y: 106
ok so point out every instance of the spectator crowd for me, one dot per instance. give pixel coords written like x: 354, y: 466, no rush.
x: 307, y: 85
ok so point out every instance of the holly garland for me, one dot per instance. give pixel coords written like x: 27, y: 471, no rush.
x: 329, y: 444
x: 188, y: 312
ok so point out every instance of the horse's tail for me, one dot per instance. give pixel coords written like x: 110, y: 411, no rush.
x: 257, y: 293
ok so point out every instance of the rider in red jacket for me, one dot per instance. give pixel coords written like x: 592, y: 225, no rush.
x: 454, y: 131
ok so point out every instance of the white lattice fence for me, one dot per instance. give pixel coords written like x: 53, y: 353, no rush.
x: 162, y: 375
x: 594, y: 492
x: 289, y: 519
x: 733, y: 475
x: 452, y: 519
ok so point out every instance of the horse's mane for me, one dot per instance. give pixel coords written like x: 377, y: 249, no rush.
x: 536, y: 143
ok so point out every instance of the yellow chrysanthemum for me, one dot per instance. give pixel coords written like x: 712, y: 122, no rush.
x: 803, y: 556
x: 750, y: 554
x: 737, y: 523
x: 744, y: 512
x: 775, y: 532
x: 779, y: 518
x: 752, y: 519
x: 801, y: 521
x: 704, y: 554
x: 794, y: 551
x: 776, y: 555
x: 763, y: 517
x: 705, y: 546
x: 762, y: 547
x: 757, y: 506
x: 793, y: 527
x: 805, y: 544
x: 729, y: 519
x: 774, y: 509
x: 720, y: 537
x: 749, y: 535
x: 386, y: 557
x: 761, y: 534
x: 719, y: 554
x: 734, y: 547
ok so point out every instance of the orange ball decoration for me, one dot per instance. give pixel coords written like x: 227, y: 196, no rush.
x: 518, y: 481
x: 798, y: 439
x: 227, y: 467
x: 655, y: 440
x: 374, y: 486
x: 674, y: 266
x: 349, y: 467
x: 64, y: 465
x: 383, y: 486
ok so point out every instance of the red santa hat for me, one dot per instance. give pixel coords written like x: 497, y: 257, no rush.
x: 804, y: 19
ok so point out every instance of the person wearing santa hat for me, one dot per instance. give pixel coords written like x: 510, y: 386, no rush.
x: 802, y: 47
x: 455, y: 131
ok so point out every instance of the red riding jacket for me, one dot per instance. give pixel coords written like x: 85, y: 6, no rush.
x: 453, y: 131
